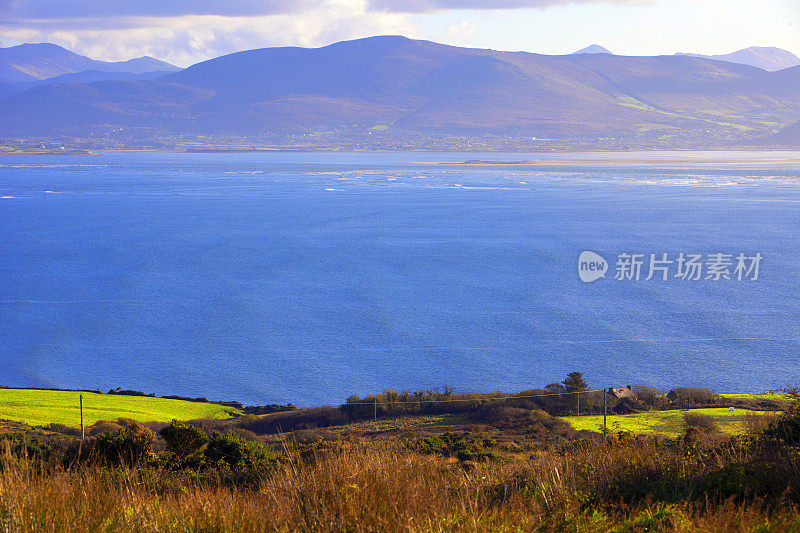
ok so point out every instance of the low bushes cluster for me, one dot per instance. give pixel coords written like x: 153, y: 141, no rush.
x: 183, y: 440
x: 131, y: 445
x: 700, y: 422
x: 786, y: 428
x: 461, y: 447
x: 492, y: 407
x: 537, y: 424
x: 316, y: 417
x: 178, y: 447
x: 693, y: 397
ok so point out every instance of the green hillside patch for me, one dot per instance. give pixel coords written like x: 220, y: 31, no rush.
x: 667, y: 423
x: 711, y: 115
x: 777, y: 396
x: 40, y: 407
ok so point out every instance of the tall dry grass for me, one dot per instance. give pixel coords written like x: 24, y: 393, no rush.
x: 383, y: 486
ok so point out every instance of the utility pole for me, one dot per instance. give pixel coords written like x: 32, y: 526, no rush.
x: 83, y: 431
x: 605, y: 399
x: 375, y: 415
x: 579, y: 403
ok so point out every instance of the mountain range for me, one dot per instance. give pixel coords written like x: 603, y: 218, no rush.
x: 31, y: 62
x: 765, y: 57
x: 395, y: 84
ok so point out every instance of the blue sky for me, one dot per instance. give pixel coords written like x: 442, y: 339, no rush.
x: 187, y: 31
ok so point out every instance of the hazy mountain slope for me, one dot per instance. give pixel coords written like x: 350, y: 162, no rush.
x: 764, y: 57
x: 28, y: 62
x: 699, y: 88
x: 409, y: 84
x: 421, y: 86
x: 7, y: 89
x: 548, y: 93
x: 138, y: 65
x: 374, y: 69
x: 50, y: 109
x: 521, y: 95
x: 87, y: 76
x: 368, y: 81
x: 787, y: 137
x: 38, y: 61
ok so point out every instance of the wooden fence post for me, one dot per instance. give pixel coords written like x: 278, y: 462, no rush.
x: 83, y: 432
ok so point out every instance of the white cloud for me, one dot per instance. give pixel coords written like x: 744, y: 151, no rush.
x: 461, y: 33
x: 421, y: 6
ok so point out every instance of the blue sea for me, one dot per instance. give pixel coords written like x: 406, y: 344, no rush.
x: 308, y: 277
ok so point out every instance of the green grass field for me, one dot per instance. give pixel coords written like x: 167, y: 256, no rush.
x: 777, y: 396
x: 40, y: 407
x: 667, y: 423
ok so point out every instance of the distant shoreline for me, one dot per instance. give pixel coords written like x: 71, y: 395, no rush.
x: 630, y: 162
x: 795, y: 158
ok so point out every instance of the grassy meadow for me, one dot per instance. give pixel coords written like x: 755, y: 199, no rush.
x: 42, y: 407
x: 670, y: 423
x: 776, y: 396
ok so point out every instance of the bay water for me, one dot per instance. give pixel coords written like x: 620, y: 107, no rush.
x: 308, y: 277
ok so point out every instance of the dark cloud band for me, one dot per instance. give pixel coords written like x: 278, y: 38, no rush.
x: 11, y: 10
x: 76, y: 9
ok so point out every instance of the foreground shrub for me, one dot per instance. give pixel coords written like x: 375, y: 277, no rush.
x: 700, y: 422
x: 101, y: 427
x: 182, y: 439
x: 786, y: 428
x: 128, y: 446
x: 454, y: 445
x: 39, y: 448
x: 238, y: 453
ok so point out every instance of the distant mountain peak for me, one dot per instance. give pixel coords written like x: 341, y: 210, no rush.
x: 25, y: 46
x: 592, y: 49
x: 139, y: 65
x: 764, y: 57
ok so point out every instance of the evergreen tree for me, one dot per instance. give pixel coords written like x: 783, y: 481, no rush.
x: 574, y: 382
